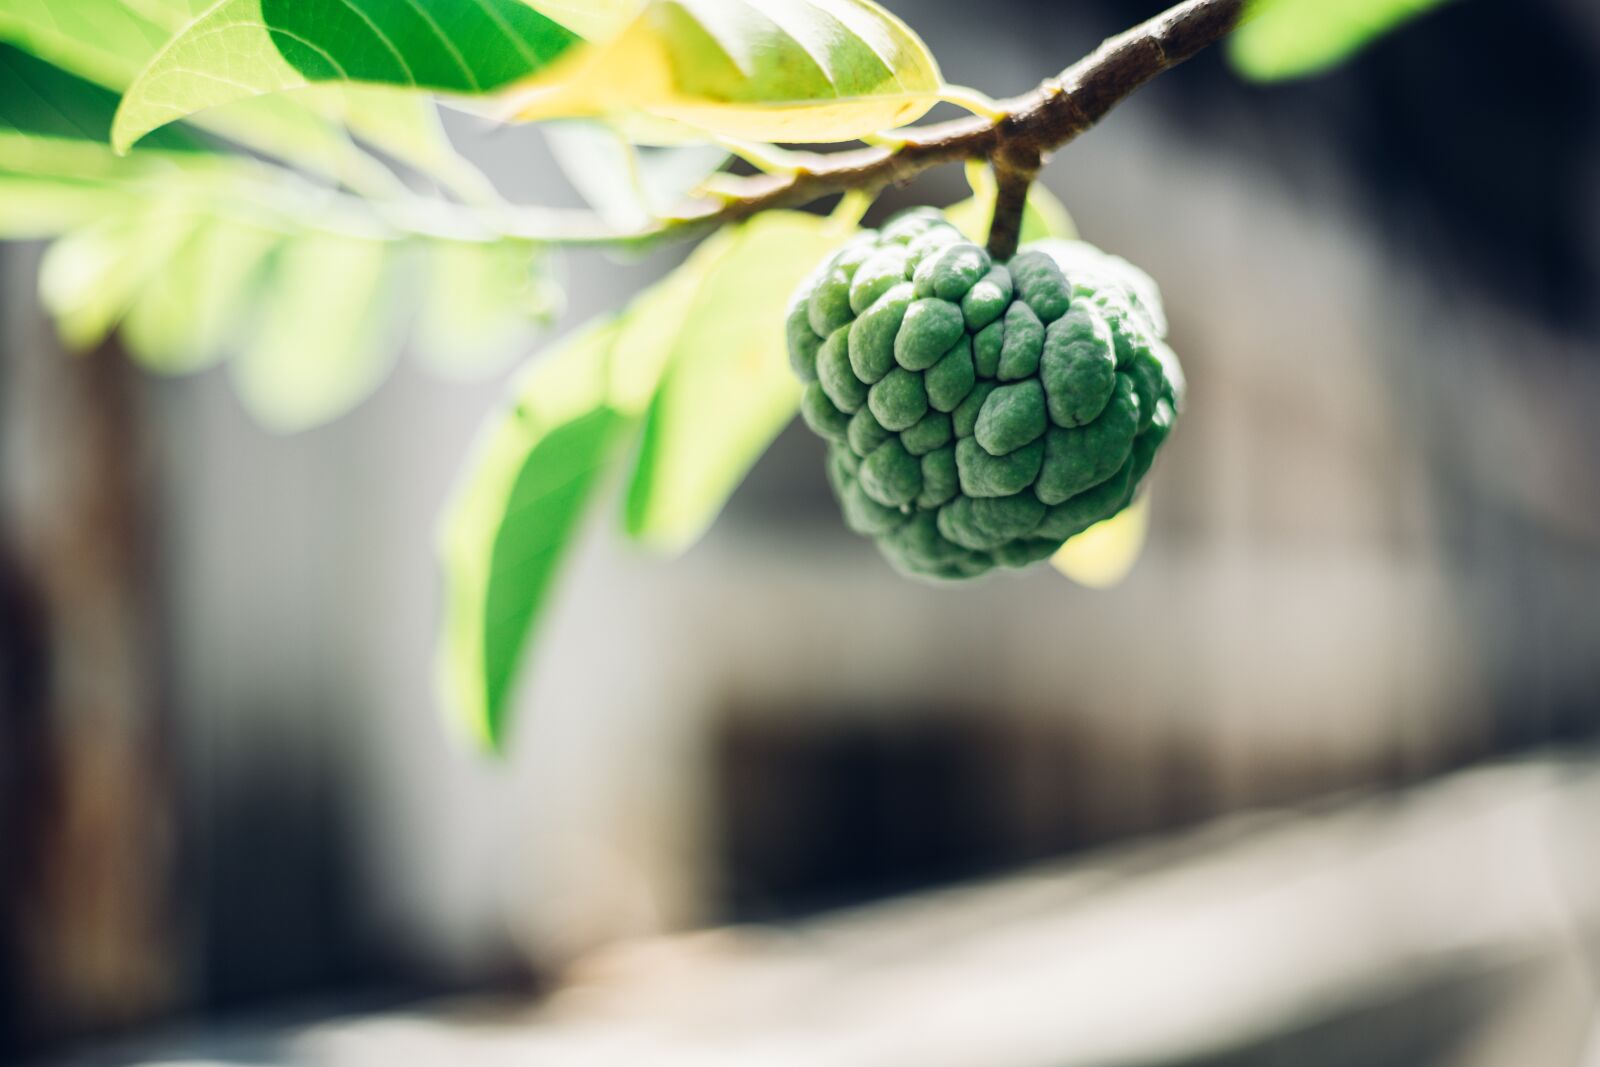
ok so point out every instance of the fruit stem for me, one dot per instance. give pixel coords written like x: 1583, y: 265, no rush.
x: 1014, y: 171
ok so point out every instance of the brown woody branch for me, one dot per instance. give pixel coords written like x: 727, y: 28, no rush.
x: 1034, y: 125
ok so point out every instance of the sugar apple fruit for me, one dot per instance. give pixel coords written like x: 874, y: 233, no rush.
x: 979, y: 413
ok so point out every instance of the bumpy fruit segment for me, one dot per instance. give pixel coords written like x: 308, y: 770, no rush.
x: 979, y: 414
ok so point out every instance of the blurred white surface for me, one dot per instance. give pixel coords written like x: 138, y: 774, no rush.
x: 1443, y: 927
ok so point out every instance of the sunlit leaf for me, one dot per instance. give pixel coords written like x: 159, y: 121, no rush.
x: 90, y: 277
x: 32, y: 207
x: 406, y: 126
x: 626, y: 184
x: 247, y: 48
x: 191, y: 310
x: 42, y: 100
x: 482, y: 303
x: 511, y: 520
x: 1105, y: 553
x: 159, y: 247
x: 53, y: 125
x: 323, y: 338
x: 648, y: 330
x: 508, y: 524
x: 758, y: 70
x: 593, y: 20
x: 107, y: 42
x: 1292, y: 38
x: 728, y: 388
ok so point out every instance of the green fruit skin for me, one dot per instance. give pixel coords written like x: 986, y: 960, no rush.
x: 979, y: 414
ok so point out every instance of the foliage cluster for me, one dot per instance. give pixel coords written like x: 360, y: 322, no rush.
x: 267, y: 182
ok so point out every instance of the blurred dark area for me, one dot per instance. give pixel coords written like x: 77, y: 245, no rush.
x: 1314, y: 786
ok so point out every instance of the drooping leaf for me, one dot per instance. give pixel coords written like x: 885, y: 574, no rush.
x: 31, y: 208
x: 324, y: 332
x: 1104, y: 554
x: 90, y: 277
x: 39, y: 99
x: 1282, y: 39
x: 508, y: 526
x: 756, y: 70
x: 626, y: 184
x: 167, y: 245
x: 648, y: 333
x: 246, y: 48
x: 191, y: 311
x: 482, y: 303
x: 728, y: 388
x: 54, y: 124
x: 107, y: 42
x: 405, y: 126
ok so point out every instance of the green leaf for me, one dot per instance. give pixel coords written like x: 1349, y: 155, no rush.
x: 325, y: 332
x: 728, y: 388
x: 90, y: 278
x: 53, y: 124
x: 193, y: 308
x: 31, y: 208
x: 757, y: 70
x: 509, y: 524
x: 1283, y: 39
x: 245, y: 48
x: 407, y: 127
x: 593, y: 20
x: 482, y: 303
x: 107, y: 42
x: 628, y: 185
x: 39, y: 99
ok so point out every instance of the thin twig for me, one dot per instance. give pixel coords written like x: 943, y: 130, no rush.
x: 1036, y: 124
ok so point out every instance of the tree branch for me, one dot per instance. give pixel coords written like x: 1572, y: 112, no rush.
x: 1035, y: 124
x: 1039, y: 122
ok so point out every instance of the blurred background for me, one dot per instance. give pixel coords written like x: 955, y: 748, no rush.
x: 1317, y: 784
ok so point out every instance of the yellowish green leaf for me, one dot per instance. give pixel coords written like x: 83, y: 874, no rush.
x: 755, y: 70
x: 1282, y: 39
x: 728, y: 388
x: 248, y: 48
x: 406, y: 126
x: 482, y: 303
x: 192, y: 309
x: 510, y: 521
x: 593, y: 20
x: 31, y: 207
x: 90, y: 277
x: 1105, y: 553
x: 628, y: 185
x: 108, y: 42
x: 324, y: 332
